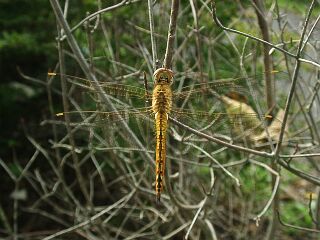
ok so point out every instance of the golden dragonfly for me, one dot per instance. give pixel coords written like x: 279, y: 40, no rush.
x: 161, y: 108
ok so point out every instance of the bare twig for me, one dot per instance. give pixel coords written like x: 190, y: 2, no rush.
x: 218, y: 141
x: 91, y: 220
x: 167, y: 63
x: 216, y: 20
x: 274, y: 191
x: 67, y: 119
x: 198, y: 212
x: 74, y: 46
x: 270, y: 85
x: 294, y: 80
x: 215, y: 161
x: 152, y: 39
x: 93, y: 15
x: 297, y: 227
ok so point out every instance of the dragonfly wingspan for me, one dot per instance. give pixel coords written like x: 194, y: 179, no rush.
x: 224, y: 116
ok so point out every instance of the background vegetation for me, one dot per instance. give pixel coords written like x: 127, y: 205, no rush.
x: 86, y: 176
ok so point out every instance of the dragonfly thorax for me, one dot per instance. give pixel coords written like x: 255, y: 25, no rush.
x: 162, y: 93
x: 162, y: 99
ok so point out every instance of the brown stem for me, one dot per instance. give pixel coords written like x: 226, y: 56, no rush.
x: 270, y: 98
x: 67, y: 120
x: 294, y: 79
x: 195, y: 13
x: 167, y: 63
x: 270, y: 86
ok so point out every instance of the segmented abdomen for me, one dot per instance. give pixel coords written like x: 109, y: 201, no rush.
x: 161, y: 121
x: 161, y: 104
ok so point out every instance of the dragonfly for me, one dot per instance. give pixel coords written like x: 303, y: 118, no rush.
x: 161, y: 108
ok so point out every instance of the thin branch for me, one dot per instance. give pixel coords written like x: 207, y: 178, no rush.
x: 85, y: 68
x: 299, y: 155
x: 217, y: 21
x: 120, y: 202
x: 97, y: 13
x: 176, y: 231
x: 269, y: 80
x: 294, y: 80
x: 220, y: 165
x: 7, y: 169
x: 171, y: 193
x: 301, y: 174
x: 167, y: 63
x: 71, y: 139
x: 198, y: 213
x: 223, y: 143
x: 297, y: 227
x: 152, y: 36
x: 274, y: 191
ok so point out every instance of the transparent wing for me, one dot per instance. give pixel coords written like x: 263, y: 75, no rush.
x: 240, y: 85
x: 99, y: 118
x: 114, y: 89
x: 237, y: 120
x: 221, y: 86
x: 236, y: 115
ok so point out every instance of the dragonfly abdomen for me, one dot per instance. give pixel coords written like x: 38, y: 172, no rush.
x: 161, y: 107
x: 161, y: 124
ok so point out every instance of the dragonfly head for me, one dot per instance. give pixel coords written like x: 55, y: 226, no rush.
x: 163, y: 76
